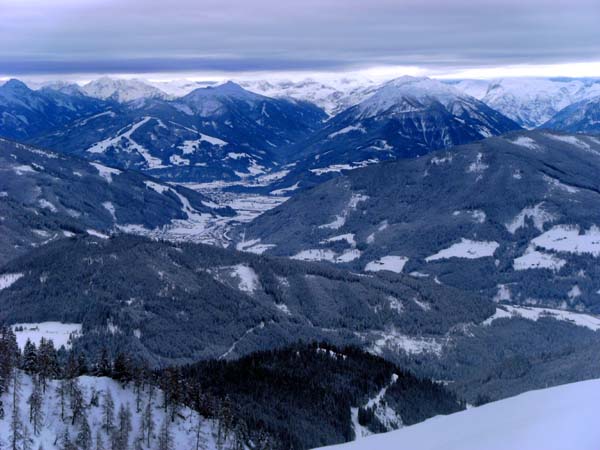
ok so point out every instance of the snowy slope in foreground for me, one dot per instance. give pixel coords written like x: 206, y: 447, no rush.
x: 52, y: 430
x: 559, y: 418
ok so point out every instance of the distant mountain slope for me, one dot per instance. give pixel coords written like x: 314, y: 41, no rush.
x: 122, y: 91
x: 515, y: 218
x: 334, y: 96
x: 46, y: 196
x: 580, y: 117
x: 530, y: 101
x: 221, y: 133
x: 550, y: 419
x: 182, y: 302
x: 404, y: 118
x: 25, y: 113
x: 178, y: 303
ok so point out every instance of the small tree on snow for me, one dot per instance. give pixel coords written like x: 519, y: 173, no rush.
x: 84, y: 437
x: 108, y: 411
x: 99, y: 441
x: 35, y: 401
x: 148, y: 422
x: 165, y: 438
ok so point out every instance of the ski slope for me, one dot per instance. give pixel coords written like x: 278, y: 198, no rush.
x: 558, y: 418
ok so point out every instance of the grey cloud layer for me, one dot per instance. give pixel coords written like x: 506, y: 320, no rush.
x: 42, y: 36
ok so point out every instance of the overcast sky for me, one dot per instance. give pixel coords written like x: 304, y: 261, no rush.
x: 437, y: 37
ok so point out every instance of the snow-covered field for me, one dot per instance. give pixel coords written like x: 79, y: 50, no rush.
x: 558, y: 418
x: 60, y: 333
x: 391, y: 263
x: 320, y: 254
x: 466, y: 248
x: 535, y: 259
x: 529, y: 313
x: 568, y: 238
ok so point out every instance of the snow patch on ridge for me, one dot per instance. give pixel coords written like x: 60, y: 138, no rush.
x: 8, y: 279
x: 581, y: 320
x: 106, y: 172
x: 536, y: 213
x: 535, y: 259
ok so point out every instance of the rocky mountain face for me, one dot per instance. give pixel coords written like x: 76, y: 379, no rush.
x: 514, y: 218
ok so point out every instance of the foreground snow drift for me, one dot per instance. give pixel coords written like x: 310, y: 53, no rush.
x: 559, y: 418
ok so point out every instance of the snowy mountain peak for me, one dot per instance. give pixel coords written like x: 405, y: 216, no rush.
x: 121, y: 90
x: 334, y: 96
x: 228, y: 89
x: 15, y: 85
x: 63, y: 87
x: 402, y: 93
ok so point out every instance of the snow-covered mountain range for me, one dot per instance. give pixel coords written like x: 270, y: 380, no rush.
x: 519, y: 210
x: 580, y: 117
x: 530, y: 102
x: 121, y: 90
x: 404, y: 118
x: 333, y: 95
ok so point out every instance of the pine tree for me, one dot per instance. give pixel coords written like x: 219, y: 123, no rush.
x: 123, y: 428
x: 30, y: 357
x: 94, y: 397
x: 9, y: 356
x: 77, y: 401
x: 122, y: 369
x: 165, y: 438
x: 82, y: 368
x: 99, y: 441
x: 198, y: 431
x: 62, y: 391
x: 84, y: 437
x: 18, y: 434
x: 108, y: 411
x: 240, y: 435
x: 66, y: 443
x: 148, y: 422
x: 138, y: 442
x: 70, y: 370
x: 47, y: 362
x: 35, y: 401
x: 103, y: 367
